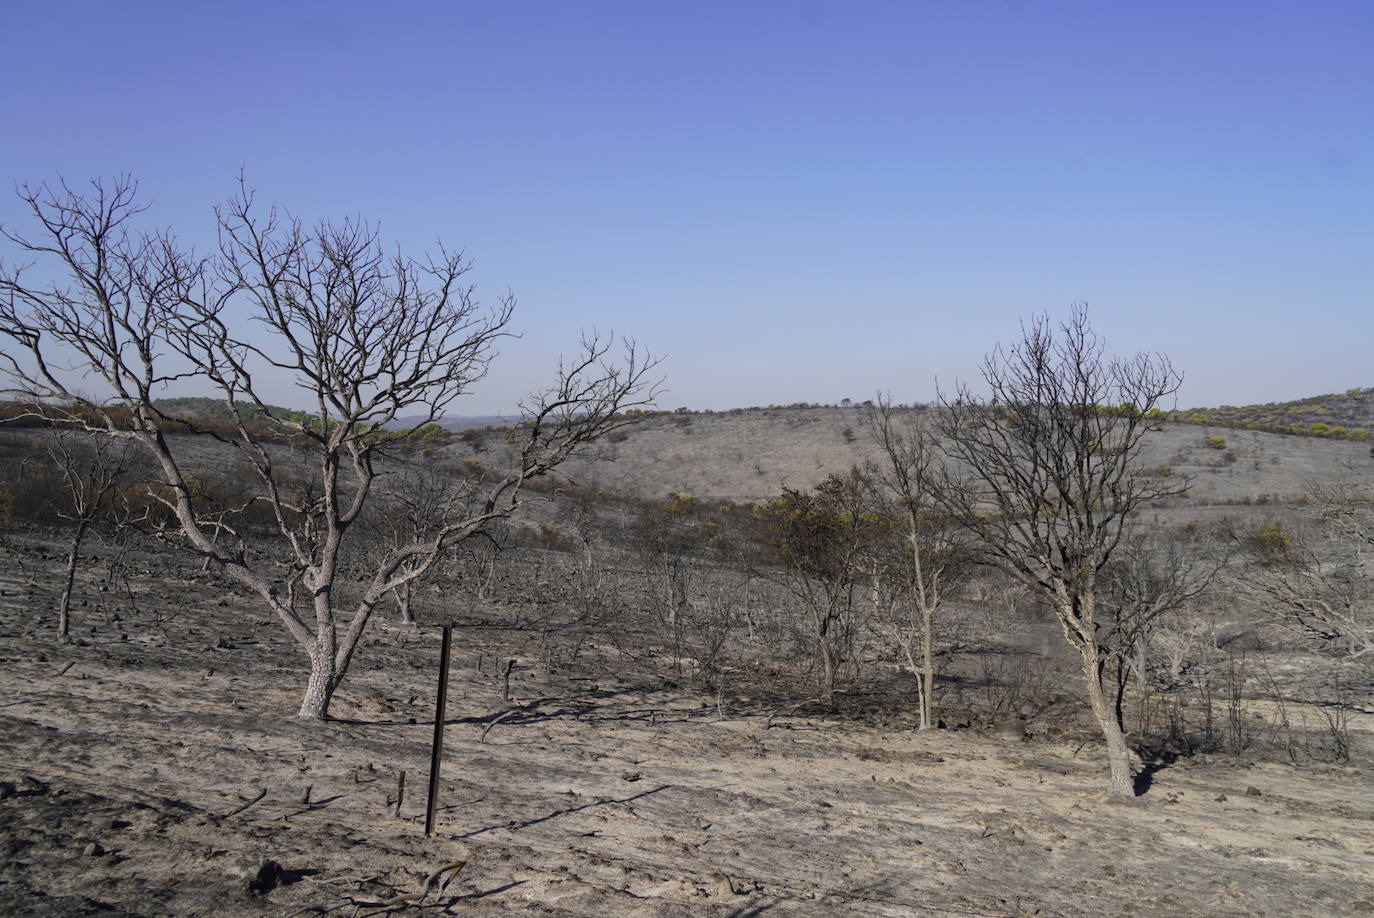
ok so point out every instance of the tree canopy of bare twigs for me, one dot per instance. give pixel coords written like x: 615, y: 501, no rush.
x: 418, y: 498
x: 92, y: 468
x: 1147, y: 578
x: 1318, y: 583
x: 935, y: 554
x: 817, y: 547
x: 1043, y: 472
x: 365, y: 336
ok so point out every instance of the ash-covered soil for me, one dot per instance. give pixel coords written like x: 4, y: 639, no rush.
x: 153, y: 768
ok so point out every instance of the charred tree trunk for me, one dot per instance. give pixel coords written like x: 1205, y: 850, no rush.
x: 65, y: 605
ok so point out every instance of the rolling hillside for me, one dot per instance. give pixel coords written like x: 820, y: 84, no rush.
x: 1352, y: 410
x: 749, y: 455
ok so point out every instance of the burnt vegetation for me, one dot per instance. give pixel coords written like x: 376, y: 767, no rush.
x: 896, y: 592
x: 1052, y: 555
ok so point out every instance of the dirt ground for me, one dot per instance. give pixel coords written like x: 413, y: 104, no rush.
x: 153, y: 768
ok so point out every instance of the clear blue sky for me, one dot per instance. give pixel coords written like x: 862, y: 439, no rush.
x: 794, y: 201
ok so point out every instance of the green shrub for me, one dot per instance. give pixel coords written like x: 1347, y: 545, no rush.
x: 1216, y: 442
x: 1273, y: 541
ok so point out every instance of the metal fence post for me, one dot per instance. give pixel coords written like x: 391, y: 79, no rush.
x: 436, y: 756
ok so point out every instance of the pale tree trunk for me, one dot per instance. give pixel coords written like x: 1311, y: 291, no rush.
x: 214, y: 542
x: 928, y: 672
x: 325, y: 674
x: 825, y: 622
x: 1118, y: 753
x: 320, y: 689
x: 926, y: 602
x: 921, y: 704
x: 331, y: 656
x: 403, y: 597
x: 486, y: 576
x: 828, y: 666
x: 65, y: 606
x: 1076, y: 618
x: 748, y: 614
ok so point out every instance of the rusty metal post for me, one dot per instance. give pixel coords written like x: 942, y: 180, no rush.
x: 436, y: 756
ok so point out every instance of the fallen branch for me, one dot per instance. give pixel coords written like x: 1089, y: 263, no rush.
x: 801, y: 704
x: 507, y: 713
x: 321, y: 910
x: 452, y: 869
x: 239, y: 809
x: 496, y: 720
x: 403, y: 899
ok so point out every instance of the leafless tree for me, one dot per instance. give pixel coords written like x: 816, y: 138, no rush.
x: 367, y: 337
x: 1148, y: 577
x: 1181, y: 641
x: 1319, y: 583
x: 1046, y: 468
x: 91, y: 468
x: 418, y: 498
x: 819, y: 542
x: 935, y: 557
x: 672, y: 545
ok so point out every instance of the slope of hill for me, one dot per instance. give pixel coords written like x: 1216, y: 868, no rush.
x: 214, y: 409
x: 749, y: 455
x: 1352, y: 409
x: 459, y: 422
x: 152, y: 771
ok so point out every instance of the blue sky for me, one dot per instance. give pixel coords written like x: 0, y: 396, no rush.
x: 792, y: 201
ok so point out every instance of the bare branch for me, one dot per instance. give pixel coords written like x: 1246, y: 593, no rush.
x: 1043, y: 472
x: 367, y: 335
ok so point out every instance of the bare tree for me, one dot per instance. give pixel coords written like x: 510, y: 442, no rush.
x: 667, y: 544
x: 1319, y: 583
x: 1146, y: 580
x: 367, y: 337
x: 418, y: 499
x: 820, y: 541
x: 1046, y: 465
x: 91, y: 468
x: 933, y: 562
x: 699, y: 601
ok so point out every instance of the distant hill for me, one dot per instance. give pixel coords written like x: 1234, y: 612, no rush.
x: 214, y: 409
x: 1342, y: 414
x: 460, y: 422
x: 751, y: 454
x: 1352, y: 410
